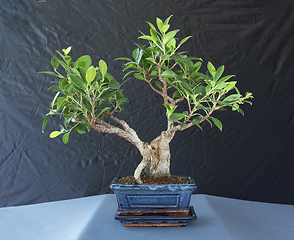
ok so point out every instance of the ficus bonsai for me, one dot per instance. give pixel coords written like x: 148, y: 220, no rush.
x: 89, y: 97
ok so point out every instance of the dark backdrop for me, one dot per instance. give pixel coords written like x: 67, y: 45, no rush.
x: 251, y: 159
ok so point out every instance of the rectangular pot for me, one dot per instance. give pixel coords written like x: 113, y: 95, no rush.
x: 174, y: 197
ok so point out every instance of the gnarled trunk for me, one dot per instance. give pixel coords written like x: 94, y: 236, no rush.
x: 156, y: 157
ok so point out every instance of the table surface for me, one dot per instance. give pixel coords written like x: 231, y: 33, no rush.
x: 93, y: 218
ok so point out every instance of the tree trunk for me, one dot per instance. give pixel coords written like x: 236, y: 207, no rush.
x: 156, y: 157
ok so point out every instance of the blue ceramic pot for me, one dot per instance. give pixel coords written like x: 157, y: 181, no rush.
x: 144, y: 197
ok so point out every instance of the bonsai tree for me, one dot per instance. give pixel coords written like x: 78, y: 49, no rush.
x: 88, y: 97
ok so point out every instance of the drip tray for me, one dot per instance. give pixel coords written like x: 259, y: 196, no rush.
x: 156, y: 219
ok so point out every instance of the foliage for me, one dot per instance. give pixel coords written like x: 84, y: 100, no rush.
x: 86, y: 95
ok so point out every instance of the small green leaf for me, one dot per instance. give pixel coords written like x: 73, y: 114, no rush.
x: 51, y: 73
x: 151, y: 25
x: 211, y: 69
x: 123, y: 58
x: 196, y: 120
x: 217, y: 123
x: 54, y: 134
x: 60, y: 102
x: 90, y: 74
x: 106, y: 95
x: 183, y: 40
x: 230, y: 85
x: 232, y: 98
x: 159, y: 24
x: 83, y: 61
x: 165, y: 28
x: 103, y: 67
x: 176, y: 116
x: 77, y: 81
x: 183, y: 125
x: 168, y: 74
x: 153, y: 34
x: 67, y: 50
x: 169, y: 36
x: 139, y: 76
x: 55, y: 88
x: 113, y: 84
x: 67, y: 59
x: 65, y: 137
x: 121, y: 101
x: 45, y: 120
x: 146, y: 37
x: 55, y: 62
x: 80, y: 129
x: 167, y: 20
x: 158, y: 84
x: 225, y: 78
x: 218, y: 73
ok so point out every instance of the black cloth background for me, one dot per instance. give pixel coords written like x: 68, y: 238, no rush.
x: 252, y: 158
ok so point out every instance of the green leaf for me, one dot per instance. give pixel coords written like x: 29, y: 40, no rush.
x: 124, y: 58
x: 66, y: 51
x: 183, y: 125
x: 153, y: 34
x: 211, y: 69
x: 45, y: 120
x: 90, y: 74
x: 196, y: 120
x: 107, y: 95
x: 176, y: 116
x: 151, y: 25
x: 169, y: 36
x: 103, y: 67
x: 66, y: 67
x: 146, y: 37
x: 67, y: 59
x: 218, y: 73
x: 158, y: 84
x: 80, y: 129
x: 165, y: 28
x: 87, y: 104
x: 169, y: 109
x: 168, y: 74
x: 103, y: 110
x: 60, y: 102
x: 217, y: 123
x: 121, y: 101
x: 230, y: 85
x: 65, y: 137
x: 68, y: 89
x: 139, y: 76
x: 225, y: 78
x: 51, y: 73
x: 54, y: 134
x: 177, y: 94
x: 113, y: 84
x: 232, y: 98
x: 83, y: 61
x: 183, y: 41
x: 55, y: 88
x: 77, y: 81
x: 167, y: 20
x: 159, y: 24
x: 55, y: 62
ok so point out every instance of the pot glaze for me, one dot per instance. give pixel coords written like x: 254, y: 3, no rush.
x: 142, y: 197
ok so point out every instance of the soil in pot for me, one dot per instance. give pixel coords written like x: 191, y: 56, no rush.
x: 150, y: 180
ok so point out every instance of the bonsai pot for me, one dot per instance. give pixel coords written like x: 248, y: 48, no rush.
x: 154, y: 205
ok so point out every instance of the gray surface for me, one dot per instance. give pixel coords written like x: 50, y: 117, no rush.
x: 93, y: 218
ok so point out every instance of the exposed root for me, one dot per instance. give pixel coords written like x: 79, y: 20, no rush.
x: 137, y: 175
